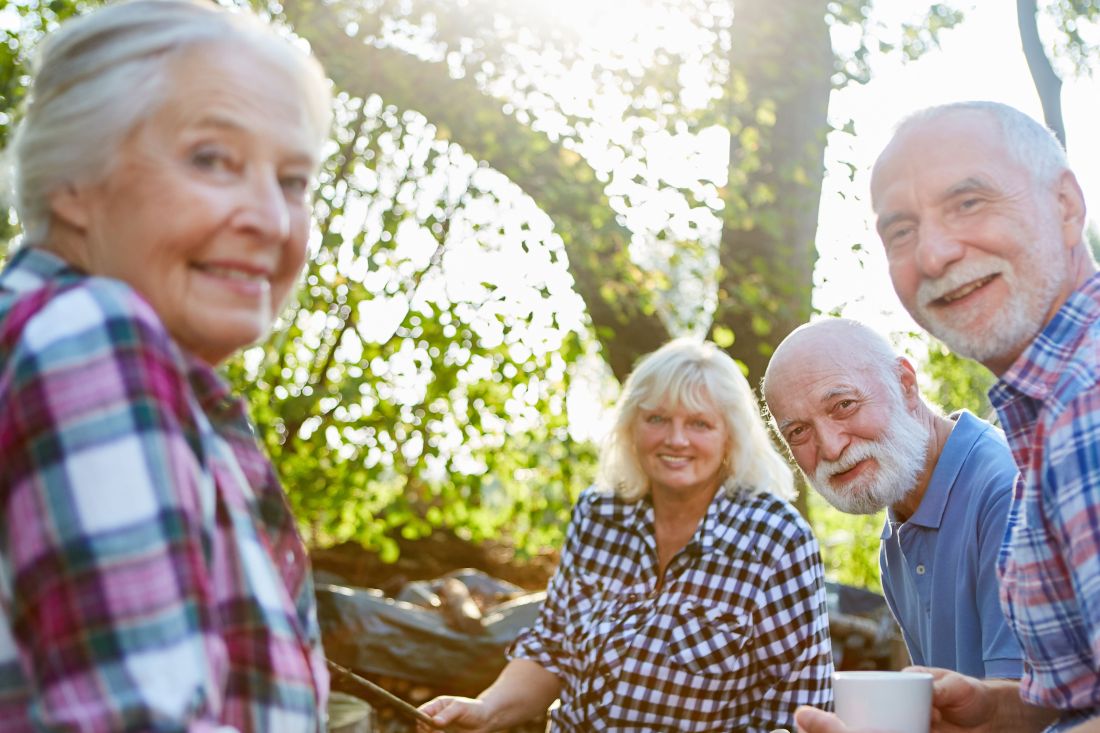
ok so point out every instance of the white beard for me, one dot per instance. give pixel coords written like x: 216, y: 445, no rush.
x: 899, y: 455
x: 1017, y: 321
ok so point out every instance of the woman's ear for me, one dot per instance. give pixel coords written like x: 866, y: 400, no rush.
x: 69, y: 204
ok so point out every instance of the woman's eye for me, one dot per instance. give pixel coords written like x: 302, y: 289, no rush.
x: 655, y: 419
x: 295, y: 185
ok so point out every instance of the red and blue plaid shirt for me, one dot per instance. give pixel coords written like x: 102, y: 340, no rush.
x: 1049, y: 404
x: 735, y: 640
x: 151, y: 574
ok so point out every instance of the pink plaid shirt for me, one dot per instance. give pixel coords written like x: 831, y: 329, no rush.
x: 151, y: 574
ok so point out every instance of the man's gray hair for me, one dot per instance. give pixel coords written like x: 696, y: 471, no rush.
x: 1030, y: 143
x: 101, y: 74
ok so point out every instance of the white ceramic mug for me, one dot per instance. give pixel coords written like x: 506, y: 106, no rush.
x: 899, y: 702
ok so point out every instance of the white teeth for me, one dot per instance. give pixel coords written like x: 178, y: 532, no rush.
x: 966, y: 290
x: 232, y: 274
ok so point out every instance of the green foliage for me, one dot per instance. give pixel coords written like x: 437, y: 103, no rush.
x: 956, y: 382
x: 22, y: 24
x: 419, y: 378
x: 849, y: 543
x: 1075, y: 36
x: 412, y: 384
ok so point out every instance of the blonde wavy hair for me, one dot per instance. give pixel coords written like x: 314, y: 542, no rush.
x: 698, y: 376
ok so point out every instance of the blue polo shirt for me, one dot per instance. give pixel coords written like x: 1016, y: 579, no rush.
x: 939, y: 568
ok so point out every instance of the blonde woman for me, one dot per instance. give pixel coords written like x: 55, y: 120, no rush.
x: 690, y: 594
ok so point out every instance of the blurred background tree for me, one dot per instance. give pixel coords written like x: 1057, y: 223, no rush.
x: 519, y: 201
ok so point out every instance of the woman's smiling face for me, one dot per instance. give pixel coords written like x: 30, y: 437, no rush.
x: 680, y: 450
x: 205, y: 209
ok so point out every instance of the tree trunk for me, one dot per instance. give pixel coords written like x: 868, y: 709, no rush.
x: 768, y: 251
x: 1046, y: 80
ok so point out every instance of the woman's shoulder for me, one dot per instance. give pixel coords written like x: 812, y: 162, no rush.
x: 596, y: 500
x: 767, y: 517
x: 86, y: 313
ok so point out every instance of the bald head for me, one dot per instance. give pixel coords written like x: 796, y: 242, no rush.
x: 838, y: 343
x: 848, y: 408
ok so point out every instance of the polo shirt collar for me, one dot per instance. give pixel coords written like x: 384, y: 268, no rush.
x: 956, y: 448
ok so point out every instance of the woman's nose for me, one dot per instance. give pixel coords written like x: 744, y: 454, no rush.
x: 264, y: 209
x: 676, y: 434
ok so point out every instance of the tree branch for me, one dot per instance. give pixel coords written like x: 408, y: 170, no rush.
x: 1046, y: 80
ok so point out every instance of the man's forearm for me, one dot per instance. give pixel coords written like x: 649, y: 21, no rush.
x: 1013, y: 715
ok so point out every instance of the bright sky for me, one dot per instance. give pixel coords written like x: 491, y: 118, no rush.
x: 980, y: 59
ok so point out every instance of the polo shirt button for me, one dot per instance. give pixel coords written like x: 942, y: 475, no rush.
x: 920, y: 570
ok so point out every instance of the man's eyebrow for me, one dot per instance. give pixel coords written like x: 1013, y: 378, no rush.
x: 966, y: 185
x: 885, y: 222
x: 840, y: 391
x: 832, y: 394
x: 970, y: 184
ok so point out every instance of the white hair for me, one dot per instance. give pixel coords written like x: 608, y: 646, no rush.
x: 101, y: 74
x: 1030, y: 143
x: 699, y: 376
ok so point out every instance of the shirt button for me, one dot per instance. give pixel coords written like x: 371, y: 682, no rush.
x: 290, y: 557
x: 920, y: 570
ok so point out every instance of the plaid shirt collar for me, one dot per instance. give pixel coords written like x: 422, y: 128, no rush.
x: 1038, y: 369
x: 32, y: 268
x: 712, y: 534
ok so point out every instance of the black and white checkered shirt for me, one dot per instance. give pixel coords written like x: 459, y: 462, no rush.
x: 735, y: 640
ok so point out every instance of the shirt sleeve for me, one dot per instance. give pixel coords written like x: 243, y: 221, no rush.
x: 1001, y: 652
x: 793, y: 644
x: 103, y: 549
x: 543, y: 642
x: 1071, y: 491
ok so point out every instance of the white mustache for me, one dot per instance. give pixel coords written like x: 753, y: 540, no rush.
x: 852, y: 456
x: 964, y: 273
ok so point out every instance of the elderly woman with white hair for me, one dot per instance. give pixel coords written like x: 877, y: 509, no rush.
x: 151, y: 574
x: 690, y: 594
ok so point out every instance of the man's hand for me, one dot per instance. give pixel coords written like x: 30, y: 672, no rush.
x: 812, y: 720
x: 961, y: 703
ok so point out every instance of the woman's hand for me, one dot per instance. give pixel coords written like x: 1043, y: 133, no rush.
x: 457, y: 714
